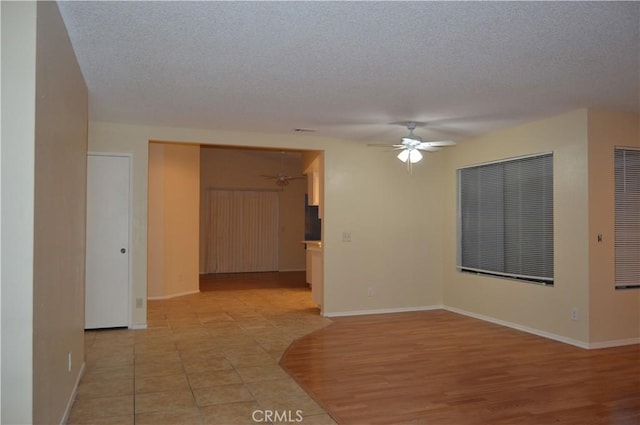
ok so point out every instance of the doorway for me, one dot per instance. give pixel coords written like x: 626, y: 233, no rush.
x: 226, y: 168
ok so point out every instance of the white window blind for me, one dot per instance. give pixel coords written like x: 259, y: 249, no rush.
x: 627, y: 221
x: 506, y: 218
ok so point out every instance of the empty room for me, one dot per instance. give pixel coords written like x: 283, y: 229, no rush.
x: 320, y: 212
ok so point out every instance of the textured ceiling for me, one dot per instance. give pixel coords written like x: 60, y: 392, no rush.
x: 354, y: 69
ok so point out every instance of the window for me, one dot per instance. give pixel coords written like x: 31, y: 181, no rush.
x: 627, y: 212
x: 505, y: 212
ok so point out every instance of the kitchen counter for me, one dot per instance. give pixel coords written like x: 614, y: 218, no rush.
x: 315, y: 269
x: 313, y: 244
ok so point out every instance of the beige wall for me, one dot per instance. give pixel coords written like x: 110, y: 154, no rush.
x: 50, y: 172
x: 243, y: 169
x: 60, y: 217
x: 614, y: 314
x: 18, y: 166
x: 544, y: 309
x: 174, y: 189
x: 394, y: 218
x: 395, y: 221
x: 155, y: 222
x: 403, y: 227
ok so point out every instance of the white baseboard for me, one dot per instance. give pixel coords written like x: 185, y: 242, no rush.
x: 67, y: 410
x: 527, y: 329
x: 549, y: 335
x: 181, y: 294
x: 538, y: 332
x: 138, y: 326
x: 383, y: 311
x: 614, y: 343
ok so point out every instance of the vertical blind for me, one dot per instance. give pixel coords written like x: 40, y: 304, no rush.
x: 627, y: 217
x: 506, y: 218
x: 242, y: 231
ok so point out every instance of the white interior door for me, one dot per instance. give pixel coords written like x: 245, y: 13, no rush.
x: 107, y: 263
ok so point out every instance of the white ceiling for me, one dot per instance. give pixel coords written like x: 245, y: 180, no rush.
x: 354, y: 69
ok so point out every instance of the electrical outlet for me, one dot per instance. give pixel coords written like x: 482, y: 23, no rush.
x: 138, y: 302
x: 346, y: 236
x: 370, y: 292
x: 574, y: 314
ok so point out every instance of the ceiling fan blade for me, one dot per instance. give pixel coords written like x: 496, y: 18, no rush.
x: 439, y: 143
x: 391, y: 147
x: 412, y: 139
x: 428, y: 148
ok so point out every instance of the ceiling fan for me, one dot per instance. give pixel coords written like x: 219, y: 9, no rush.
x: 411, y: 145
x: 282, y: 179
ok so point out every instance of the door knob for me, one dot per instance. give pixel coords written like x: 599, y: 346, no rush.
x: 123, y: 250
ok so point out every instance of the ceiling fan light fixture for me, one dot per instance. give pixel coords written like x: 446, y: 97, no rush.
x: 414, y: 156
x: 410, y: 154
x: 403, y: 155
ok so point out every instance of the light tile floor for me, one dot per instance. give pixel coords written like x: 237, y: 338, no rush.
x: 208, y: 358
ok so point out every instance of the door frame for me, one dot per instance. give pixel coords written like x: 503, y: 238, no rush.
x: 129, y: 156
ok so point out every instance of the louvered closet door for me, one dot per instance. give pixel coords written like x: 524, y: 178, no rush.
x: 242, y: 230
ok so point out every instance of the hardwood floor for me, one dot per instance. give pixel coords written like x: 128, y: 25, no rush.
x: 438, y: 367
x: 246, y: 281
